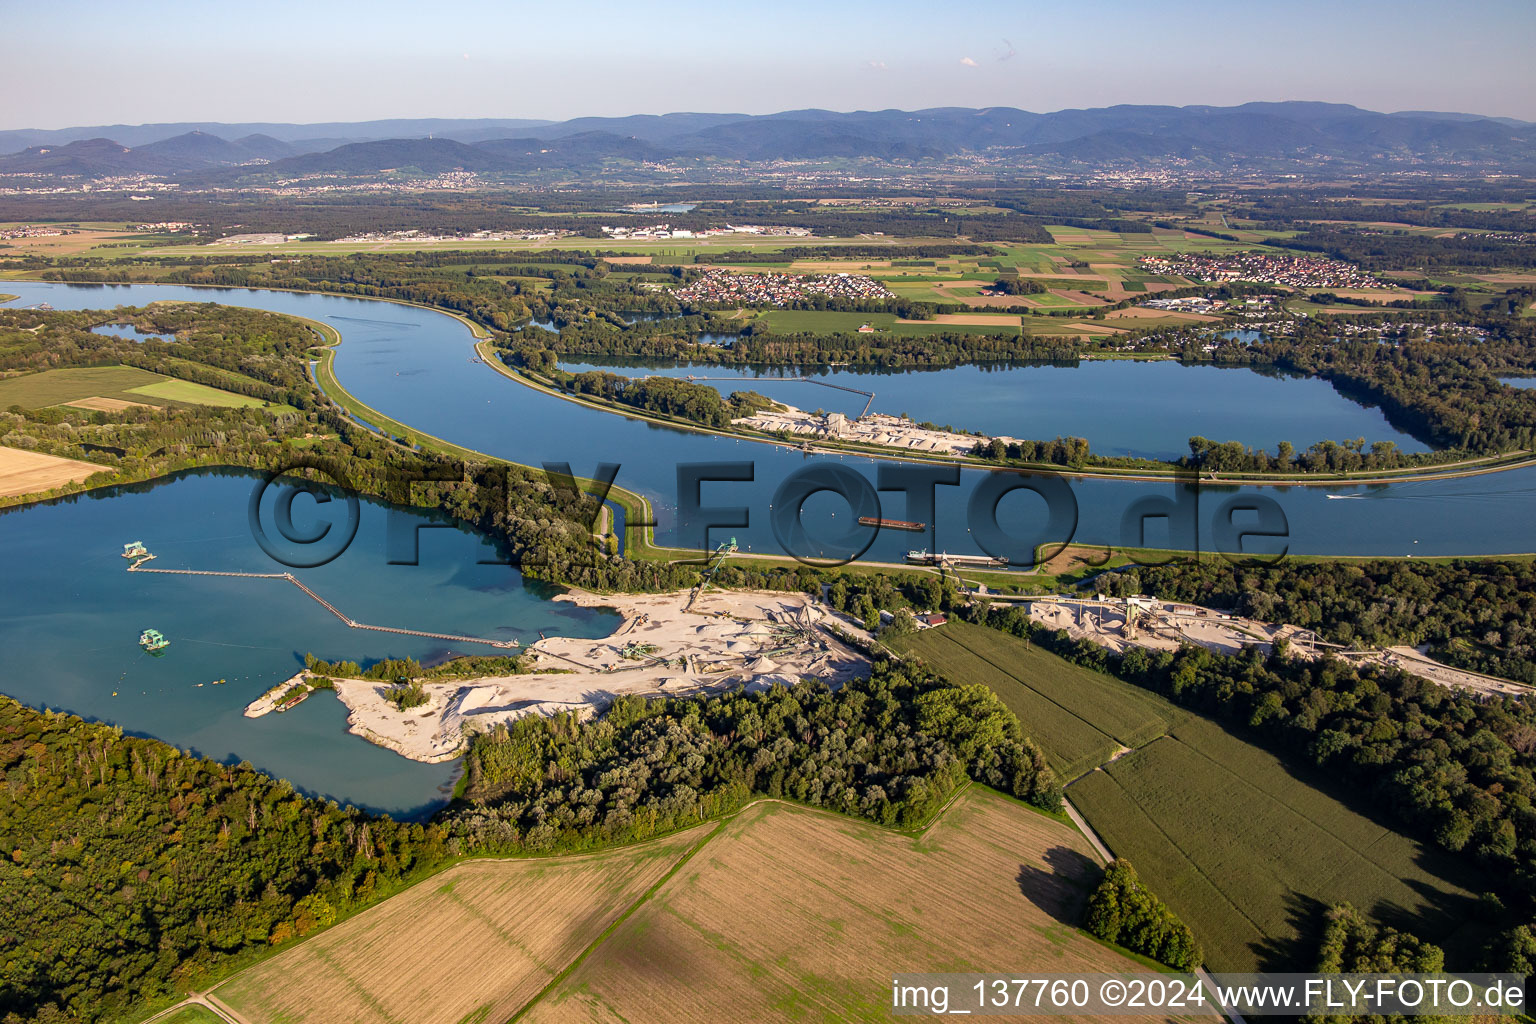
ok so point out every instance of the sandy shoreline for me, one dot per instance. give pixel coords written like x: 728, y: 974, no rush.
x: 727, y: 640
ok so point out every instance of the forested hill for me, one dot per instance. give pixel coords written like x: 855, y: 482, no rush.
x: 1258, y: 134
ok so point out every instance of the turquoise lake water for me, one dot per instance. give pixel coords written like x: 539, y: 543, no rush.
x: 71, y: 614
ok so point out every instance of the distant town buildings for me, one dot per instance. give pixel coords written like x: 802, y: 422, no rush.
x: 1281, y: 269
x: 767, y: 289
x: 1209, y: 304
x: 32, y: 231
x: 660, y: 231
x: 416, y: 235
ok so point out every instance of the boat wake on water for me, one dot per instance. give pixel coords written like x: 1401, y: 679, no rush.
x: 367, y: 320
x: 1513, y: 494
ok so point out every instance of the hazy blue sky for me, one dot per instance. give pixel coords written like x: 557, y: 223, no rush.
x: 79, y: 62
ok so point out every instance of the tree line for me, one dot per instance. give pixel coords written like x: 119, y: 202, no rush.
x: 135, y: 870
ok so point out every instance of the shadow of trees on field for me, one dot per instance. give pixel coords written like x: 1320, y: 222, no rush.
x: 1061, y: 888
x: 1296, y: 948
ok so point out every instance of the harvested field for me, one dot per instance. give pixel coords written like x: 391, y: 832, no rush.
x: 23, y: 472
x: 1249, y: 854
x: 953, y: 293
x: 1143, y: 313
x: 1079, y: 717
x: 787, y: 912
x: 476, y: 942
x: 1068, y: 328
x: 1074, y: 558
x: 79, y: 240
x: 105, y: 404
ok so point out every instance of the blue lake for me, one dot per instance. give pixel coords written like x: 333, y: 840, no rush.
x: 1122, y: 407
x: 130, y: 332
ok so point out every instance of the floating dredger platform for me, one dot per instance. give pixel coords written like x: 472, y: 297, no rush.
x: 136, y: 551
x: 893, y: 524
x: 153, y: 641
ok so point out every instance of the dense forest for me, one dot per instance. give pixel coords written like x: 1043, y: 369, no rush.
x: 880, y: 350
x: 890, y: 748
x: 133, y: 869
x: 1123, y: 911
x: 668, y: 396
x: 1400, y: 249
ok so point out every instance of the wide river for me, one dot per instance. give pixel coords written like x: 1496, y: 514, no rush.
x: 417, y: 366
x: 70, y: 614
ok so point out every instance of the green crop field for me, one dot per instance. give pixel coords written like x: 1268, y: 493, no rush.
x: 1079, y: 717
x: 1249, y: 854
x: 54, y: 387
x: 1245, y: 851
x: 123, y: 383
x: 790, y: 321
x: 191, y: 393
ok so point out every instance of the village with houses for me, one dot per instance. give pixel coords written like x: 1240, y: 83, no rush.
x: 768, y: 289
x: 1281, y: 269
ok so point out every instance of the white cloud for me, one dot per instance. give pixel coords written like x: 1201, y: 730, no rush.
x: 878, y: 65
x: 968, y: 62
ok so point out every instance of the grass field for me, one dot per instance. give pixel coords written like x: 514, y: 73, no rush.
x: 1079, y: 717
x: 188, y: 392
x: 23, y: 472
x: 120, y: 383
x: 793, y: 320
x: 473, y: 943
x: 794, y: 914
x: 191, y: 1014
x: 1249, y: 854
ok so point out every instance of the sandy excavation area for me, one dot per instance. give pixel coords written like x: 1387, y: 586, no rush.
x: 1163, y: 625
x: 726, y: 640
x: 876, y: 428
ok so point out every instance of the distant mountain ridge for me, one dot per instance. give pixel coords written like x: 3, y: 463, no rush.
x: 1274, y: 133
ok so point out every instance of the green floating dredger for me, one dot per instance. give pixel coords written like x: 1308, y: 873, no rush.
x: 153, y: 641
